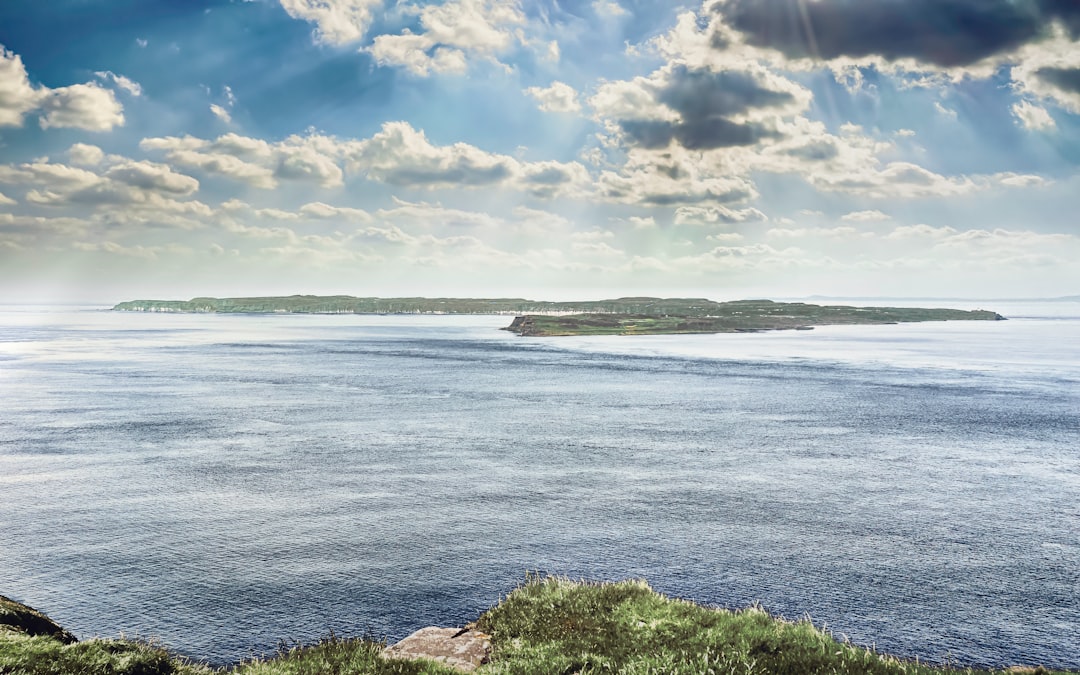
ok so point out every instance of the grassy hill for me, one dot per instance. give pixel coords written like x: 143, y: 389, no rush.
x: 547, y: 626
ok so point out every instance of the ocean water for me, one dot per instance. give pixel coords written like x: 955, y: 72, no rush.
x: 225, y: 483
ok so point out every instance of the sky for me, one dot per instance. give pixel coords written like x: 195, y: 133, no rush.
x: 547, y: 149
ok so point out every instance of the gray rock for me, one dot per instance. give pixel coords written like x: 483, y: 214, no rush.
x: 460, y: 648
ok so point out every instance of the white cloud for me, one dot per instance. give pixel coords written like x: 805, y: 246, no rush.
x: 255, y: 161
x: 671, y: 179
x: 85, y: 155
x: 130, y: 86
x: 337, y: 22
x: 1033, y: 117
x: 865, y: 216
x: 1020, y: 180
x: 417, y: 54
x: 81, y: 106
x: 221, y: 113
x: 725, y: 237
x: 152, y: 177
x: 559, y: 97
x: 219, y: 163
x: 5, y: 200
x: 305, y: 163
x: 451, y: 34
x: 716, y: 215
x: 17, y: 96
x: 920, y: 231
x: 945, y: 112
x: 122, y: 190
x: 895, y: 179
x: 402, y: 155
x: 327, y: 212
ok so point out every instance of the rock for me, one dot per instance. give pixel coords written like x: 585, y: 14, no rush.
x: 460, y: 648
x: 17, y: 616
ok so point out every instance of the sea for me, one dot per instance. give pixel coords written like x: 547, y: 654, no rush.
x: 231, y: 484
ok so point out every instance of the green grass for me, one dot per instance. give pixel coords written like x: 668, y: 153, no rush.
x: 555, y: 626
x: 44, y: 655
x: 548, y: 626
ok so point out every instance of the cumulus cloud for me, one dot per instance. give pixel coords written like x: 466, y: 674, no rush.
x: 559, y: 97
x: 698, y: 108
x: 119, y: 190
x: 337, y: 22
x: 5, y: 200
x: 81, y: 106
x: 255, y: 161
x: 199, y: 154
x: 402, y: 155
x: 1032, y: 117
x: 450, y: 35
x: 17, y: 95
x: 85, y: 155
x: 660, y: 181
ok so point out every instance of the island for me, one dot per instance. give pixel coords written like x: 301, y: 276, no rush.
x: 741, y: 316
x: 618, y: 316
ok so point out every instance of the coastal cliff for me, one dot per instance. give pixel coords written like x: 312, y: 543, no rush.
x: 546, y: 626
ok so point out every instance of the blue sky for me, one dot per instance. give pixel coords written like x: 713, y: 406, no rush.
x: 539, y: 148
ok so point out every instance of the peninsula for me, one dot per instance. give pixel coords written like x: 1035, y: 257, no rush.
x: 619, y: 316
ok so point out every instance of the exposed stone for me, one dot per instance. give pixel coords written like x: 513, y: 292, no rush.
x: 460, y: 648
x: 17, y: 616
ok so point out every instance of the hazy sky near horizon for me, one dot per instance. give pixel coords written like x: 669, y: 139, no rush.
x: 539, y: 148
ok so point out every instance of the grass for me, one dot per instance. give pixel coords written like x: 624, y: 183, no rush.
x: 548, y: 626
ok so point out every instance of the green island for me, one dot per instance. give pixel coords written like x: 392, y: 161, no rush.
x: 619, y: 316
x: 547, y: 626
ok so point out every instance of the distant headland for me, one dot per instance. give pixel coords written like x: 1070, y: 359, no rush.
x: 619, y: 316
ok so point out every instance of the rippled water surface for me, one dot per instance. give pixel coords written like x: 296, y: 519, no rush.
x: 226, y: 482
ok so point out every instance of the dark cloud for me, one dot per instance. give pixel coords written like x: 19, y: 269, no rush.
x: 706, y: 94
x: 1068, y: 11
x: 940, y: 32
x: 1063, y: 78
x: 705, y: 100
